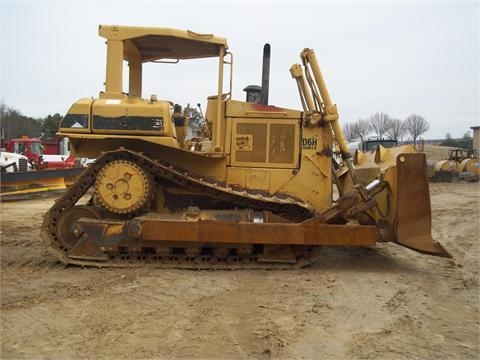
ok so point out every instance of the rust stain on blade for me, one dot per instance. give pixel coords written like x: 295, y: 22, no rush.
x: 414, y: 217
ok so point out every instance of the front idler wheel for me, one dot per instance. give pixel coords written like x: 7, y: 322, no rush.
x: 66, y: 224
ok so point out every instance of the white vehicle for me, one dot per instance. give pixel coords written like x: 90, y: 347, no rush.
x: 11, y: 162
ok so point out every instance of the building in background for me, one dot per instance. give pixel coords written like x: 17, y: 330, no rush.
x: 476, y: 137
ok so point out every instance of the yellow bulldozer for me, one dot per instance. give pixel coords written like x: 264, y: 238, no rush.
x: 255, y: 186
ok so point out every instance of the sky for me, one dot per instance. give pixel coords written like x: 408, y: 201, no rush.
x: 394, y: 57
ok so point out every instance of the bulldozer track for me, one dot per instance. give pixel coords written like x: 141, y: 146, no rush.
x: 279, y: 204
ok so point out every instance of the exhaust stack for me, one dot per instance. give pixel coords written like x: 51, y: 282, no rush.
x: 265, y: 75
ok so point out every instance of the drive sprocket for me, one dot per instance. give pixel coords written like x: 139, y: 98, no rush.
x: 123, y: 187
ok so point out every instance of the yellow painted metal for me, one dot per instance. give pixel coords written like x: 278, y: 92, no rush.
x: 29, y: 187
x: 235, y: 108
x: 217, y: 130
x: 181, y: 44
x: 305, y: 95
x: 381, y: 164
x: 381, y: 159
x: 134, y: 107
x: 132, y: 55
x: 447, y: 166
x: 122, y: 187
x: 247, y: 139
x: 471, y: 166
x: 311, y: 64
x: 143, y: 44
x: 80, y: 107
x: 244, y: 151
x: 459, y: 161
x: 114, y: 75
x: 322, y: 97
x: 92, y: 145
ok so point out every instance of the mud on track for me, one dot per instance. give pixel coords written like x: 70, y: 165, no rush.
x: 385, y: 302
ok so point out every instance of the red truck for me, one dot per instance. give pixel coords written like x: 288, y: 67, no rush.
x: 43, y: 154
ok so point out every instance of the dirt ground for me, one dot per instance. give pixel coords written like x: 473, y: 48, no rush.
x: 378, y: 303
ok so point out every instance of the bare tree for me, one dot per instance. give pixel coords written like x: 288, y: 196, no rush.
x: 363, y: 128
x: 416, y: 126
x: 380, y: 123
x: 350, y: 132
x: 396, y: 130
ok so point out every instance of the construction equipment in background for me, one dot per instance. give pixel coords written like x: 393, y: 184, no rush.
x: 470, y: 165
x: 27, y: 172
x: 45, y: 154
x: 372, y: 144
x: 21, y: 185
x: 253, y: 189
x: 12, y: 162
x: 462, y: 164
x: 31, y: 148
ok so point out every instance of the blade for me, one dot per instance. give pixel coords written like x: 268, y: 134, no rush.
x: 414, y: 217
